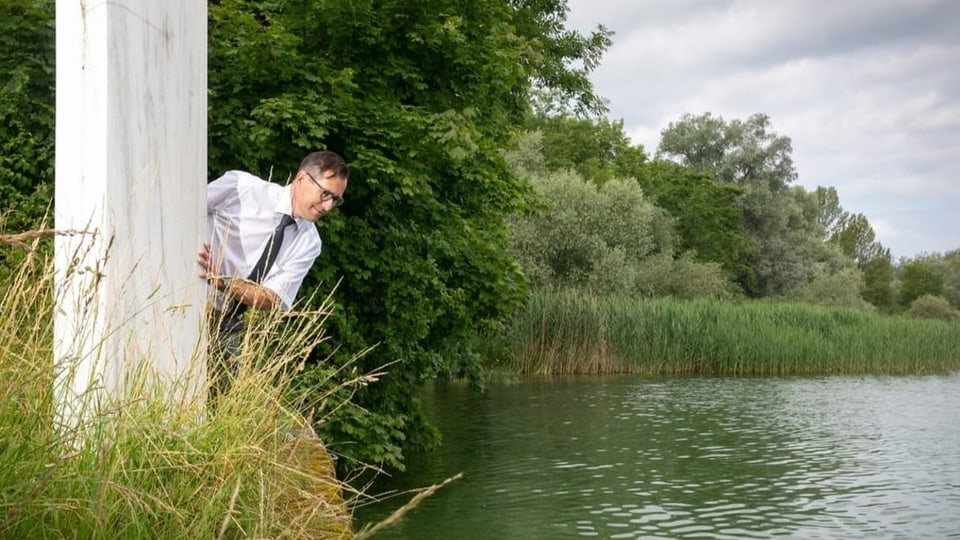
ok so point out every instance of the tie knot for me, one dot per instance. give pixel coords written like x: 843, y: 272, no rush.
x: 286, y: 221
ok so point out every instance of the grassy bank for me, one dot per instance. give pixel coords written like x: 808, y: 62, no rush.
x: 568, y: 333
x: 144, y: 466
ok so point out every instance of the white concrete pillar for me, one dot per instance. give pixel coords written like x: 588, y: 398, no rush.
x: 130, y: 169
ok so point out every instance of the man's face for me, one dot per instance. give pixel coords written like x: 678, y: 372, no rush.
x: 316, y: 194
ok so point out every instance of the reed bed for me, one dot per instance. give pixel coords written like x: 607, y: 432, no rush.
x: 568, y: 333
x: 145, y: 467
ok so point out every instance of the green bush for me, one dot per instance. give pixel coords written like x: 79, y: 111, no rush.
x: 589, y: 237
x: 682, y: 277
x: 839, y: 289
x: 930, y: 306
x: 606, y: 239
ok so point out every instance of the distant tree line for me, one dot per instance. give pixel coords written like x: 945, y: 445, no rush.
x: 717, y: 195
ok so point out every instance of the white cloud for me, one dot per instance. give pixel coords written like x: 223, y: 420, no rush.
x: 868, y: 91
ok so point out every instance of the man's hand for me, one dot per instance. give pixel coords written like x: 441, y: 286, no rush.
x: 207, y: 269
x: 241, y: 290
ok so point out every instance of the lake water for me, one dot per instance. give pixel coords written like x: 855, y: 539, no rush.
x: 628, y: 457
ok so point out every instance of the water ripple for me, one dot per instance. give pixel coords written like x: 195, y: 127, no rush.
x: 698, y: 458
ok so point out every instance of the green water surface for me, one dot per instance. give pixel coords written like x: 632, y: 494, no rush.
x: 627, y: 457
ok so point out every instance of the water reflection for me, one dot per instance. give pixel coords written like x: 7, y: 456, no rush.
x: 690, y: 458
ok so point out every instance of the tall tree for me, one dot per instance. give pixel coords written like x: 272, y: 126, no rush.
x: 596, y: 148
x: 878, y: 277
x: 747, y: 154
x: 828, y: 213
x: 854, y: 236
x: 709, y: 222
x: 918, y: 278
x: 421, y: 97
x: 740, y: 152
x: 949, y: 267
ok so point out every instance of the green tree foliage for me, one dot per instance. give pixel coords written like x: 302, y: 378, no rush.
x: 796, y: 244
x: 918, y: 278
x: 590, y: 237
x: 948, y: 265
x: 597, y: 149
x: 878, y: 276
x: 826, y: 210
x: 853, y: 235
x: 681, y: 276
x: 739, y: 152
x: 603, y: 239
x: 843, y: 288
x: 747, y: 154
x: 830, y: 277
x: 838, y: 280
x: 420, y: 97
x: 27, y: 54
x: 709, y: 222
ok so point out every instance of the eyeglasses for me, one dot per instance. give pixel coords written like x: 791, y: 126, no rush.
x: 325, y: 194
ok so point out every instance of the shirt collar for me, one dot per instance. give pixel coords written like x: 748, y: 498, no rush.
x: 284, y: 204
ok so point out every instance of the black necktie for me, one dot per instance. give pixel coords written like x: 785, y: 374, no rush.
x: 231, y: 322
x: 270, y: 251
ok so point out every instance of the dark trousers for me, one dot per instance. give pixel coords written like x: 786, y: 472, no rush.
x: 223, y: 364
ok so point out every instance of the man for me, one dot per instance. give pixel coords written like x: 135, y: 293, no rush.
x: 262, y: 243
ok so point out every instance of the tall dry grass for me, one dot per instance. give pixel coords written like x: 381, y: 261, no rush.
x: 143, y: 466
x: 558, y: 333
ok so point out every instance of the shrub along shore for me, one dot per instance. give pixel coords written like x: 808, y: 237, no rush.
x: 569, y: 333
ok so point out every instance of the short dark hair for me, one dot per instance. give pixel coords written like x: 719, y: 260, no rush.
x: 325, y: 160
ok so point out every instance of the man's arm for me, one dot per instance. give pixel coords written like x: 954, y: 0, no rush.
x: 242, y: 290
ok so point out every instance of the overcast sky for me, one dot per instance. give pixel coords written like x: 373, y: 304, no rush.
x: 867, y: 90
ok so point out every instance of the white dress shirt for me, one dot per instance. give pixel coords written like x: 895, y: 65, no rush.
x: 242, y: 212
